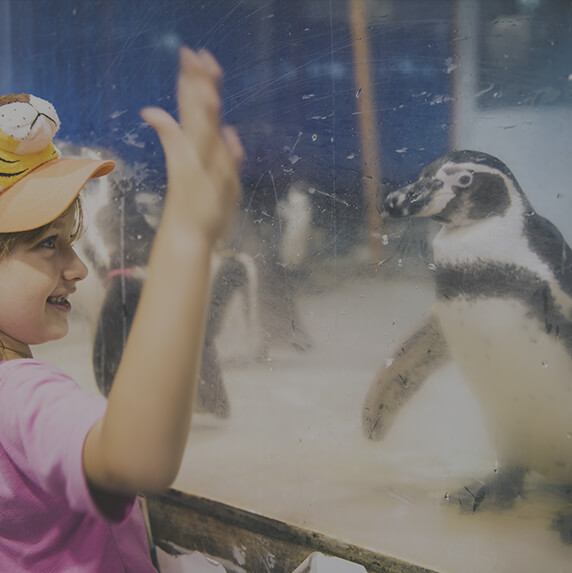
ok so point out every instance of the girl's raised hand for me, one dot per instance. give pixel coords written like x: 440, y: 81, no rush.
x: 202, y: 156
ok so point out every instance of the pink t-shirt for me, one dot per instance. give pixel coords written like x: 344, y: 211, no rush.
x: 48, y: 519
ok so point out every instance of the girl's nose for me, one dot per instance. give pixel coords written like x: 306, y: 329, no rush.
x: 74, y: 268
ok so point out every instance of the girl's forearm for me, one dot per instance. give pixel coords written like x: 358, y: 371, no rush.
x: 140, y: 442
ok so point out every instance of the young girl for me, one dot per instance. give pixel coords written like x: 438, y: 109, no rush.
x: 71, y: 462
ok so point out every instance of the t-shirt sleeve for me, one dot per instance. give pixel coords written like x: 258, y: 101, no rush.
x: 44, y: 420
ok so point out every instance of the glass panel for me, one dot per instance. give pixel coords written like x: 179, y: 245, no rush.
x: 318, y: 292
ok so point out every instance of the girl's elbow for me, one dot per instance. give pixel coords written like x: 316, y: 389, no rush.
x: 130, y: 466
x: 157, y: 482
x: 149, y: 474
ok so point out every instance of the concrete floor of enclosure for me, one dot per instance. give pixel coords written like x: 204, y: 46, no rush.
x: 293, y: 448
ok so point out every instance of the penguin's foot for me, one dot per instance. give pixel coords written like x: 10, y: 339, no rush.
x: 300, y: 340
x: 497, y: 492
x: 213, y: 399
x: 563, y: 524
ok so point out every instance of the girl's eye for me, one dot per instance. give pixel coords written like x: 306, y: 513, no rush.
x: 48, y: 242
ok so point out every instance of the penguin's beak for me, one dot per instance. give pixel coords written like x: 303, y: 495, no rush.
x: 425, y: 197
x: 407, y: 201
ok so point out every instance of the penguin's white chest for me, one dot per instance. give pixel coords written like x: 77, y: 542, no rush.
x: 520, y: 375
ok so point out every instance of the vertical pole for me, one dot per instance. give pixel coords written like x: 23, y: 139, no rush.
x: 368, y: 129
x: 465, y: 76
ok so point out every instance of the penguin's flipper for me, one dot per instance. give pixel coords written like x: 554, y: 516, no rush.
x: 417, y: 358
x: 498, y: 491
x: 212, y: 397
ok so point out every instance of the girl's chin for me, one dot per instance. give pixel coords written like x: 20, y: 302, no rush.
x: 52, y: 334
x: 57, y: 324
x: 59, y: 334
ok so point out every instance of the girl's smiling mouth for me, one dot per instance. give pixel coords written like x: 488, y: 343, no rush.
x: 61, y: 302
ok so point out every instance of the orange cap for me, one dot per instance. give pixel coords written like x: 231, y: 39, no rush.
x: 36, y: 185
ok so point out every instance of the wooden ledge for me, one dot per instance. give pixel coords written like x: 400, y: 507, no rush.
x: 251, y: 541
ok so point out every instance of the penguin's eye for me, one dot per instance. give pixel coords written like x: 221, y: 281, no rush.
x: 465, y: 180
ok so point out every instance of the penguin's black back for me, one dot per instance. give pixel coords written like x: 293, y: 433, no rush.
x: 547, y: 242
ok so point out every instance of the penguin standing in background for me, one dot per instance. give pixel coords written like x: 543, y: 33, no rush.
x: 503, y: 313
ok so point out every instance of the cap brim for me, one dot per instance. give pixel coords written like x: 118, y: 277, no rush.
x: 46, y: 192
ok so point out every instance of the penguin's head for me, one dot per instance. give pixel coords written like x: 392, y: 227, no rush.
x: 458, y: 189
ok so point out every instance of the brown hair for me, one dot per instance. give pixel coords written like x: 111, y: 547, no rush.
x: 9, y: 240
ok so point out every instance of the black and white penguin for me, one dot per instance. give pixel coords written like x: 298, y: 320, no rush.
x: 503, y: 313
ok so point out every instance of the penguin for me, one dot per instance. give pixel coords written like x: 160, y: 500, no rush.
x: 124, y: 226
x: 503, y: 314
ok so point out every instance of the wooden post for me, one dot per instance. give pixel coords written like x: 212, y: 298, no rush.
x: 368, y: 128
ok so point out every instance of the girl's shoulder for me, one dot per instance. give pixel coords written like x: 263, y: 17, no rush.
x: 43, y: 394
x: 29, y: 365
x: 30, y: 372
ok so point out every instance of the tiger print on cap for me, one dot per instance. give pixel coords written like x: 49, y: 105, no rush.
x: 28, y: 125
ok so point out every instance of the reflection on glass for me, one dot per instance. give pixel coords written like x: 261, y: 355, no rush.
x: 316, y: 290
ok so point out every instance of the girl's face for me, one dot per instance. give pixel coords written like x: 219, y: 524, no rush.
x: 35, y: 282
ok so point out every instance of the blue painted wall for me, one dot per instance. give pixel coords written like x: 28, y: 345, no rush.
x: 289, y: 80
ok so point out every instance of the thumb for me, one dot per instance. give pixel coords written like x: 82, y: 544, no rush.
x: 167, y: 129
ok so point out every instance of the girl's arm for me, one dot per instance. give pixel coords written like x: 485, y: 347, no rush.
x: 139, y: 443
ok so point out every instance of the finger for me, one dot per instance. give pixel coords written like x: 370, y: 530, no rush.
x: 198, y: 99
x: 168, y: 130
x: 157, y: 118
x: 227, y: 162
x: 211, y: 66
x: 191, y: 61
